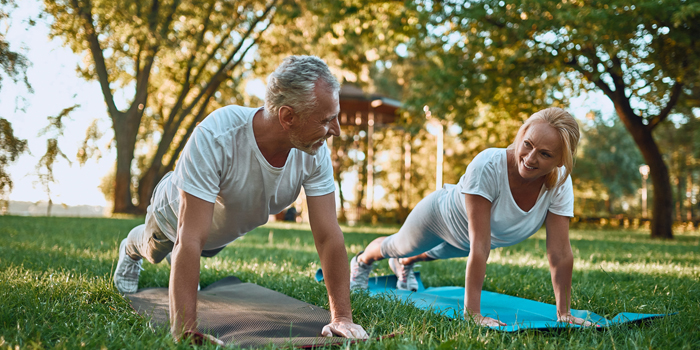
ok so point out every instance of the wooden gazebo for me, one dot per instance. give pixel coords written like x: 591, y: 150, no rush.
x: 369, y: 112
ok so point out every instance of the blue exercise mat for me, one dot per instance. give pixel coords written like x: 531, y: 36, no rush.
x: 516, y: 313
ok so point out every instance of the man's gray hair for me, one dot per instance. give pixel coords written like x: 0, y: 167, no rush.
x: 292, y: 84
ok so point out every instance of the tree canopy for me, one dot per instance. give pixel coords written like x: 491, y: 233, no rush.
x: 485, y: 65
x: 525, y: 55
x: 608, y: 164
x: 14, y: 66
x: 175, y: 60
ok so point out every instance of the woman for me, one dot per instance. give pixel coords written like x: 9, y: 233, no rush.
x: 503, y: 198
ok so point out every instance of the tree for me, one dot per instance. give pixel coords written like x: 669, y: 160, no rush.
x: 354, y: 37
x: 681, y: 147
x: 10, y: 149
x: 609, y: 157
x: 44, y: 169
x: 521, y: 56
x: 176, y: 60
x: 14, y: 65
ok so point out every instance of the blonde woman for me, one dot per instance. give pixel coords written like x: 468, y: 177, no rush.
x: 504, y: 197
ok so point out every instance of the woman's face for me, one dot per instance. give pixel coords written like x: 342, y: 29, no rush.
x: 539, y: 152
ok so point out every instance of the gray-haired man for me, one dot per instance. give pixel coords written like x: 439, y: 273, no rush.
x: 240, y: 165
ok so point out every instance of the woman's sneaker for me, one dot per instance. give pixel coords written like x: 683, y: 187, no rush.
x: 126, y: 275
x: 406, y: 279
x: 359, y: 273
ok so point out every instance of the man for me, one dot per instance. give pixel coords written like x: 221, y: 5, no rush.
x: 240, y: 165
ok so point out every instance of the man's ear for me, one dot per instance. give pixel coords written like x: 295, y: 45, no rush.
x: 287, y: 117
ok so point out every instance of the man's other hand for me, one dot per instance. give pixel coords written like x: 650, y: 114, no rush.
x: 196, y: 338
x: 344, y: 329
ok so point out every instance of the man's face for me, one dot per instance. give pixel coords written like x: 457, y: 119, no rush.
x: 320, y: 124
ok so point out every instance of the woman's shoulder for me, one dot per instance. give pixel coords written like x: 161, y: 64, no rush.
x: 488, y: 163
x: 490, y: 156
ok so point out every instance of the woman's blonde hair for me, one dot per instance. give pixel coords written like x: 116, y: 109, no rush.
x: 569, y: 133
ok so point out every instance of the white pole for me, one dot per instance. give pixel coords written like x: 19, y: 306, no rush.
x: 370, y: 161
x: 438, y: 167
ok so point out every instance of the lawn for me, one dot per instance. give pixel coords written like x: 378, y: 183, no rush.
x: 56, y: 287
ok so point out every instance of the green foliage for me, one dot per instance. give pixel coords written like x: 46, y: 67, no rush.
x: 176, y: 60
x: 10, y: 148
x: 14, y: 65
x: 56, y: 287
x: 44, y: 169
x: 89, y: 149
x: 608, y: 163
x: 524, y: 55
x: 681, y: 146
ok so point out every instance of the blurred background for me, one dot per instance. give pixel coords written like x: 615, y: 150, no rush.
x: 98, y: 97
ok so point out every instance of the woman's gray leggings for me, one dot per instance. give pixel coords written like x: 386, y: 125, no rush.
x: 423, y: 232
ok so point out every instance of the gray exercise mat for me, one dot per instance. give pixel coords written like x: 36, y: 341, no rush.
x: 244, y: 314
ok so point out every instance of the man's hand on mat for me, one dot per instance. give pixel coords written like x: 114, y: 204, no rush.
x: 196, y: 338
x: 574, y: 320
x: 486, y: 321
x: 345, y: 329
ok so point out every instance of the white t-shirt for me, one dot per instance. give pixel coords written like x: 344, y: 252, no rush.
x: 487, y: 176
x: 222, y: 164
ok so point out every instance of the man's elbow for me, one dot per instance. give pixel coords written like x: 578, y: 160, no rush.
x: 329, y: 240
x: 192, y: 246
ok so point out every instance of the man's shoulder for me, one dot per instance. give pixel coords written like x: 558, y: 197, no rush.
x: 228, y: 117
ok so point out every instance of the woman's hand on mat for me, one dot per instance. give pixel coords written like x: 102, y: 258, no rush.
x: 486, y: 321
x: 344, y: 329
x: 574, y: 320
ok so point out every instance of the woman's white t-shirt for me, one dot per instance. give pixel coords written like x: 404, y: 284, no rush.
x: 487, y: 176
x: 222, y: 164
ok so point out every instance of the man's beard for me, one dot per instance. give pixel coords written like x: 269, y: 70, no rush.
x: 299, y: 144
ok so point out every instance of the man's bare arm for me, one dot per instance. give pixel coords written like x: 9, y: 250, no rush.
x: 330, y: 245
x: 193, y: 226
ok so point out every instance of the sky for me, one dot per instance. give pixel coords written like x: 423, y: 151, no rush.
x: 56, y: 86
x: 53, y: 77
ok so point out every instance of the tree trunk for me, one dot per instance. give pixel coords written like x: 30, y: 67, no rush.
x: 662, y: 208
x: 147, y: 184
x: 680, y: 195
x: 341, y: 216
x: 125, y: 132
x: 337, y: 171
x: 689, y: 187
x: 361, y: 179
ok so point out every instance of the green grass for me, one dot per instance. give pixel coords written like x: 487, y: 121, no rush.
x: 56, y: 287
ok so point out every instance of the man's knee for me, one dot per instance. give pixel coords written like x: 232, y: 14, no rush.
x: 159, y: 246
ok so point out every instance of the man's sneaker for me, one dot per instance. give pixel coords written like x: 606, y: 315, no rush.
x: 359, y: 273
x: 406, y: 279
x: 126, y: 276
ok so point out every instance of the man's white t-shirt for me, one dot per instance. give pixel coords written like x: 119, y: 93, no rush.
x: 487, y: 176
x: 222, y: 164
